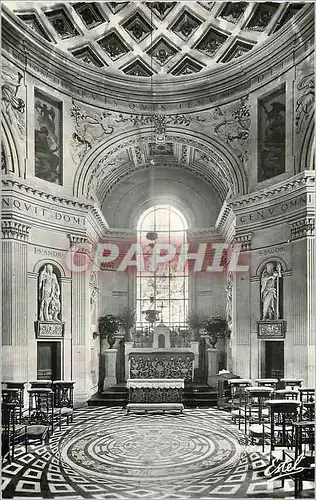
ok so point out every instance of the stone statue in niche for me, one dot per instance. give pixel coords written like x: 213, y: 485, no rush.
x: 270, y: 291
x: 49, y: 295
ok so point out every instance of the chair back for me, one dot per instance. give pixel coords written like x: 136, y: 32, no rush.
x: 41, y: 384
x: 292, y: 383
x: 267, y: 382
x: 286, y: 394
x: 283, y: 414
x: 63, y: 393
x: 237, y: 387
x: 307, y: 399
x: 15, y: 396
x: 255, y: 402
x: 41, y: 405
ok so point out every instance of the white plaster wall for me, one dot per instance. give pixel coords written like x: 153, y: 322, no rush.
x: 172, y: 186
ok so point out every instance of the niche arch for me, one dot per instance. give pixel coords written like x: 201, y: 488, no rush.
x: 273, y: 258
x: 40, y: 263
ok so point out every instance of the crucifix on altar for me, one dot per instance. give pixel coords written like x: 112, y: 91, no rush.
x: 162, y: 308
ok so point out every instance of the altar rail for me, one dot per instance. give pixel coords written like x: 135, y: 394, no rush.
x: 161, y: 365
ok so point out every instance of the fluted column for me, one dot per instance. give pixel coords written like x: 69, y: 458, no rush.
x: 14, y: 300
x: 301, y: 359
x: 80, y: 318
x: 241, y: 311
x: 311, y: 306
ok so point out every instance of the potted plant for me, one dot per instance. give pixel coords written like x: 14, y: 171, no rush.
x: 215, y: 327
x: 127, y: 321
x: 108, y: 326
x: 195, y: 321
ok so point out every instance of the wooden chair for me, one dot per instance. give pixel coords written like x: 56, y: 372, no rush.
x: 12, y: 433
x: 41, y: 409
x: 286, y: 394
x: 238, y: 397
x: 16, y: 396
x: 256, y: 414
x: 303, y: 455
x: 283, y: 414
x: 64, y: 399
x: 307, y: 399
x: 41, y: 384
x: 292, y: 383
x: 223, y: 395
x: 267, y: 382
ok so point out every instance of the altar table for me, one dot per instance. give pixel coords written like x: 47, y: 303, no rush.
x: 155, y: 394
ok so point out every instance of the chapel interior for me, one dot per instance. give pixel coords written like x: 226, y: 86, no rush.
x: 158, y: 226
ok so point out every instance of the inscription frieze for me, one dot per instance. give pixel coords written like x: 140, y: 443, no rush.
x: 40, y: 212
x: 270, y: 251
x: 272, y: 211
x: 47, y: 252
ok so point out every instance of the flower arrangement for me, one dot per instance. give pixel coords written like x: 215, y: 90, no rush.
x: 127, y: 320
x: 108, y: 326
x: 215, y: 327
x: 195, y: 321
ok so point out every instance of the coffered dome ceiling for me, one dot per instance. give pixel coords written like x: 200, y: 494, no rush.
x: 148, y: 38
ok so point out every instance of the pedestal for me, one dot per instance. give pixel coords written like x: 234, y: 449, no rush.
x: 110, y: 368
x: 212, y: 365
x: 195, y: 350
x: 128, y: 349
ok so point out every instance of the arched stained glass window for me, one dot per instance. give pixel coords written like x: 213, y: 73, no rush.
x: 162, y: 285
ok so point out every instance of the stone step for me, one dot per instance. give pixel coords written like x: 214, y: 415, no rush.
x: 194, y: 395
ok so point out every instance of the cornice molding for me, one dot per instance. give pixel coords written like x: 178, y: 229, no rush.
x: 202, y: 231
x: 120, y: 234
x: 14, y: 230
x: 8, y: 183
x: 82, y: 243
x: 225, y: 223
x: 303, y: 179
x: 258, y: 66
x: 302, y: 228
x: 244, y: 240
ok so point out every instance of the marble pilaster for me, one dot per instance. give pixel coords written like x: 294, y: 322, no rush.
x: 241, y: 317
x: 14, y: 300
x: 80, y: 318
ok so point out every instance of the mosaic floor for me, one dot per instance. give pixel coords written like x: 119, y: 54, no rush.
x: 107, y: 454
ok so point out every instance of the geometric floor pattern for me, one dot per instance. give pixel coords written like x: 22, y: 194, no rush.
x: 106, y: 454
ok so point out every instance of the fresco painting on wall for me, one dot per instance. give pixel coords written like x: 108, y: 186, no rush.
x: 48, y: 139
x: 271, y: 146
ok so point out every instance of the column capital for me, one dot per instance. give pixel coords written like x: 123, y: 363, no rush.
x: 14, y: 230
x: 81, y: 242
x: 303, y: 227
x: 244, y: 240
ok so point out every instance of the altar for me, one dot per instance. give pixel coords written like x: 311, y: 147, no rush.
x: 155, y: 394
x: 160, y: 358
x: 157, y: 372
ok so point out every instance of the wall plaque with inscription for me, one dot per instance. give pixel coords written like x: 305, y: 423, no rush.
x: 49, y: 329
x: 271, y: 329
